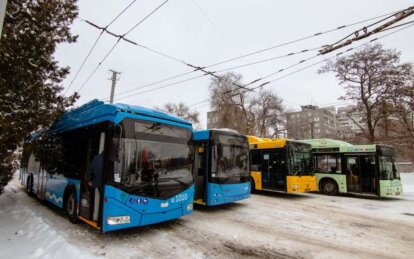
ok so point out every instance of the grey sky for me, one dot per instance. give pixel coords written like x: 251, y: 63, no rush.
x: 180, y: 30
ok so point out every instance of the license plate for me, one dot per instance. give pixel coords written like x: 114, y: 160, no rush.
x: 307, y: 190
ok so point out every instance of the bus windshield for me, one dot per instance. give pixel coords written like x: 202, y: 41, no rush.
x: 299, y: 159
x: 154, y: 159
x: 230, y: 159
x: 387, y: 168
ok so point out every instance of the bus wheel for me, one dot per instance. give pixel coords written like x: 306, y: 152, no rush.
x: 252, y: 186
x: 29, y: 186
x: 71, y: 206
x: 329, y: 187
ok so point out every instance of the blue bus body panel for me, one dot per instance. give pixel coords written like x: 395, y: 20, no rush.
x: 55, y: 188
x: 226, y: 193
x: 97, y: 111
x: 201, y: 134
x: 142, y: 210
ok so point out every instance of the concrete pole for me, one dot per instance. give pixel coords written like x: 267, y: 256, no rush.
x: 114, y: 79
x: 3, y: 4
x: 312, y: 130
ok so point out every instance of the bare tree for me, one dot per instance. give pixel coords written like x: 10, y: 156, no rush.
x: 371, y: 78
x: 403, y: 105
x: 269, y: 113
x: 232, y: 103
x: 181, y: 110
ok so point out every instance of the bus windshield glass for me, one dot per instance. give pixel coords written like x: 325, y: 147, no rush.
x: 230, y: 159
x: 299, y: 158
x: 153, y: 159
x: 387, y: 168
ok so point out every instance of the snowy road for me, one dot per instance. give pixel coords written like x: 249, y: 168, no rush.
x: 266, y: 226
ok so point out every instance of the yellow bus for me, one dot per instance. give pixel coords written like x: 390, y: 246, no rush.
x: 281, y: 165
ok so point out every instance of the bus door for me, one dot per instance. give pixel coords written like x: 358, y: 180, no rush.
x: 273, y: 175
x: 90, y: 196
x: 279, y: 174
x: 42, y: 182
x: 361, y: 174
x: 200, y: 170
x: 368, y: 177
x: 267, y: 169
x: 353, y: 170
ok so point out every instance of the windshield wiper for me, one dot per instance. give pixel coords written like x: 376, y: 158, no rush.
x: 224, y: 180
x: 176, y: 179
x: 133, y: 188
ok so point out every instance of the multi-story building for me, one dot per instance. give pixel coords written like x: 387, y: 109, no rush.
x: 349, y: 122
x: 311, y: 122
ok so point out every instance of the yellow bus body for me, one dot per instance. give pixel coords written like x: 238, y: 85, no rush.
x: 294, y: 183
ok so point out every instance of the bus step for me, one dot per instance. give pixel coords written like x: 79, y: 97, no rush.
x: 90, y: 222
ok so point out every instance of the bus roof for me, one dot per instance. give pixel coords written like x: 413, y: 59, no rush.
x: 97, y: 111
x: 326, y: 143
x: 205, y: 134
x: 333, y: 145
x: 262, y: 143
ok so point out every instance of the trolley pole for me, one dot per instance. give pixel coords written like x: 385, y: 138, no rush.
x: 114, y: 79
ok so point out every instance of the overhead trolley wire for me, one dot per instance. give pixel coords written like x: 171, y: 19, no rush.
x: 244, y: 87
x: 338, y: 54
x: 95, y: 43
x: 120, y: 37
x: 364, y: 29
x: 221, y: 33
x: 253, y: 53
x: 411, y: 23
x: 399, y: 16
x: 382, y: 28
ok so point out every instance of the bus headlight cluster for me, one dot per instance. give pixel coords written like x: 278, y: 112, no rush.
x: 295, y: 186
x: 190, y: 207
x: 118, y: 220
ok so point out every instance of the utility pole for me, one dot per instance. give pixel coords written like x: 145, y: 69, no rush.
x: 312, y: 124
x: 3, y: 4
x: 114, y: 79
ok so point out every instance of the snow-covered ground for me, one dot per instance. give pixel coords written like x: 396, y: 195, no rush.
x: 267, y: 226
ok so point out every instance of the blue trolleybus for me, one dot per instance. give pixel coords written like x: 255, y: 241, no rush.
x: 221, y: 167
x: 113, y: 166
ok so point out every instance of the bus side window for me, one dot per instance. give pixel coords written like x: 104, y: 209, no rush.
x: 334, y: 164
x: 255, y: 160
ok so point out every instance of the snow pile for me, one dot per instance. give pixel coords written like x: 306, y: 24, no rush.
x: 24, y: 234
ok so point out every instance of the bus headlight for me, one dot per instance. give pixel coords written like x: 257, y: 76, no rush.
x: 118, y: 220
x: 190, y: 207
x: 294, y: 186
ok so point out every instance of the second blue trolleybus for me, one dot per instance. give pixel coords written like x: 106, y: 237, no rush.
x: 113, y: 166
x: 221, y: 167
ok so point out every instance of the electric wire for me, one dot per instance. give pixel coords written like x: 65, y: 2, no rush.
x: 260, y: 79
x: 332, y: 57
x: 95, y: 43
x: 338, y: 54
x: 252, y: 53
x: 222, y: 34
x: 117, y: 42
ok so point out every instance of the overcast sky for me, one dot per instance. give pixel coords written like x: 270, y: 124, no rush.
x: 204, y: 32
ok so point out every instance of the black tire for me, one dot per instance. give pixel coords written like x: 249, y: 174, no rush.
x: 252, y: 185
x: 329, y: 187
x: 71, y: 206
x: 29, y: 186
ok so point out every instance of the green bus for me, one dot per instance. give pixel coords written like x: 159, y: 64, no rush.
x: 357, y: 169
